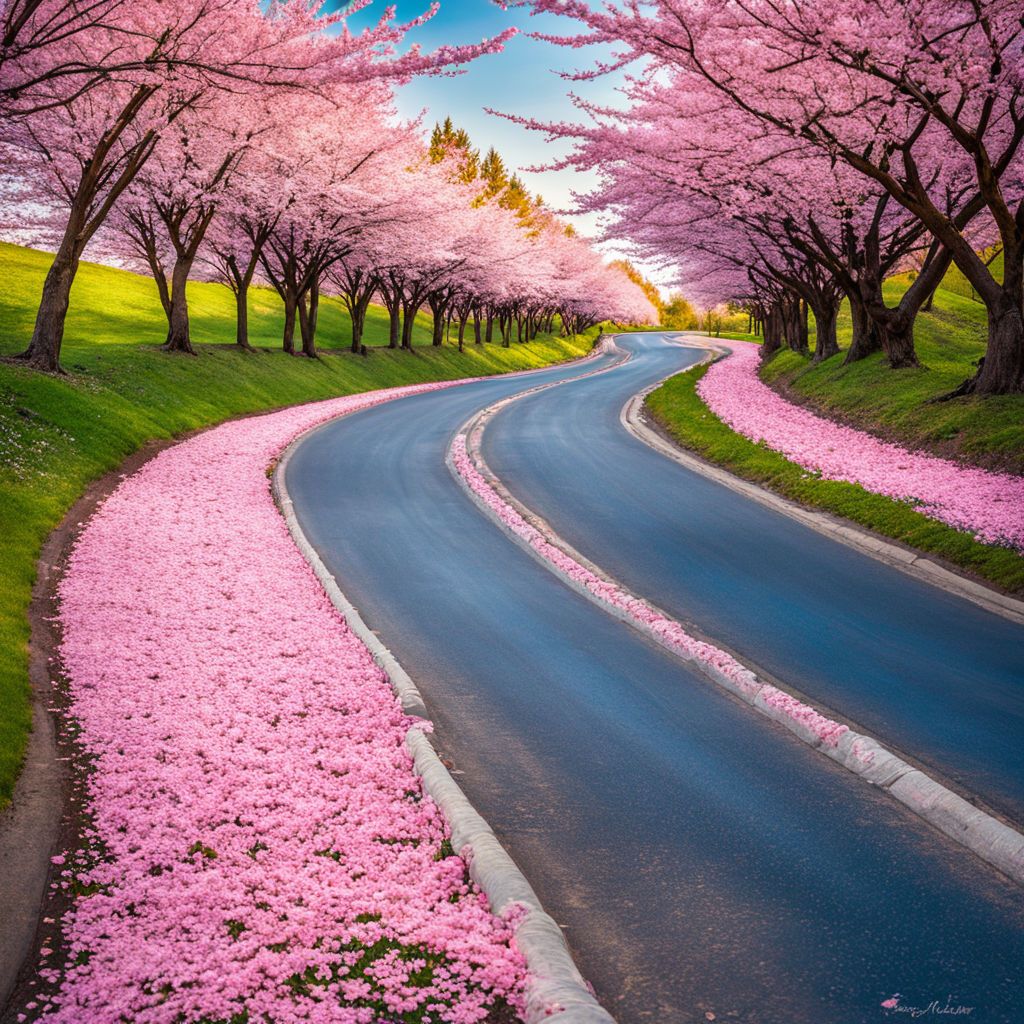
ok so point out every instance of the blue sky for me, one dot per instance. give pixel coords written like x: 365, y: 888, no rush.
x: 520, y: 80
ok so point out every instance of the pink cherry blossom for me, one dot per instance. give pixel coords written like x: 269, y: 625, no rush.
x: 257, y: 838
x: 990, y: 506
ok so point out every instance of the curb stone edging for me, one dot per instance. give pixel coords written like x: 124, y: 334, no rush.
x: 888, y: 552
x: 555, y: 989
x: 991, y: 839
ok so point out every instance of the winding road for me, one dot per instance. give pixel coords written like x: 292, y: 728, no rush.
x: 702, y: 860
x: 924, y: 671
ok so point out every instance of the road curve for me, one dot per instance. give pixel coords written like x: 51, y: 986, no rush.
x: 924, y: 671
x: 702, y: 860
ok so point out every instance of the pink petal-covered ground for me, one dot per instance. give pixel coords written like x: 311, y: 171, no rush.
x: 988, y: 505
x: 669, y: 631
x: 259, y: 843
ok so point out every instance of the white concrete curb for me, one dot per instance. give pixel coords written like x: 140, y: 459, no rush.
x: 903, y: 558
x: 993, y: 840
x: 555, y: 988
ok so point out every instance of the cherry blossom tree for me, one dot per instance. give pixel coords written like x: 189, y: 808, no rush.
x: 246, y: 215
x: 905, y: 94
x: 354, y: 280
x: 169, y: 207
x: 319, y: 184
x: 157, y: 62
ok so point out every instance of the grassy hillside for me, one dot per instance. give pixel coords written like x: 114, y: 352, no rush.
x: 138, y: 317
x: 58, y: 433
x: 894, y: 403
x: 891, y: 403
x: 955, y: 282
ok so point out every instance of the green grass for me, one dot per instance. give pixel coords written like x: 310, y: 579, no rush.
x: 735, y: 336
x: 59, y: 433
x: 891, y: 403
x: 894, y: 403
x: 681, y: 411
x: 954, y: 281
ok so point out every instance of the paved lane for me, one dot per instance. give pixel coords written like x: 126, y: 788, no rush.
x: 924, y: 671
x: 701, y: 859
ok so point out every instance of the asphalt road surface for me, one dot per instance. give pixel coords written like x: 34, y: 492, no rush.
x: 701, y: 859
x: 920, y: 669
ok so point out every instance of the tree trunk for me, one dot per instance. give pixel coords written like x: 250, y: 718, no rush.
x: 178, y: 339
x: 307, y: 347
x: 43, y: 352
x: 826, y: 343
x: 303, y: 315
x: 437, y: 334
x: 357, y: 331
x: 1001, y: 369
x: 394, y: 326
x: 307, y: 320
x: 242, y: 317
x: 489, y: 332
x: 794, y: 324
x: 898, y: 343
x: 866, y: 337
x: 408, y: 321
x: 476, y: 327
x: 895, y: 327
x: 358, y: 316
x: 239, y: 281
x: 314, y: 315
x: 288, y: 338
x: 160, y: 279
x: 772, y: 332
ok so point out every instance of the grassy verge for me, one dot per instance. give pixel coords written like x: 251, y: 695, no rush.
x: 894, y: 403
x: 680, y: 410
x: 733, y: 336
x: 59, y: 433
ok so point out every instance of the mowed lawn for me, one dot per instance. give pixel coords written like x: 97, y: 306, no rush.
x: 891, y: 403
x: 59, y: 433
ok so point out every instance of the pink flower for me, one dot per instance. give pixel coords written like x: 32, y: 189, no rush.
x: 257, y: 827
x: 989, y: 506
